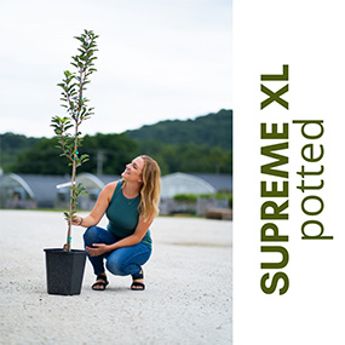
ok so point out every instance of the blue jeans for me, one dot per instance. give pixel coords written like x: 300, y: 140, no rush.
x: 122, y: 261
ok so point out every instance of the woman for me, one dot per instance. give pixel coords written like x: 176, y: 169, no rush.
x: 130, y: 204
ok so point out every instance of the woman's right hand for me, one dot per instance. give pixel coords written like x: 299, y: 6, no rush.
x: 77, y: 220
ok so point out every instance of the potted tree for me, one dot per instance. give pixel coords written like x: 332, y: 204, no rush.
x: 65, y: 266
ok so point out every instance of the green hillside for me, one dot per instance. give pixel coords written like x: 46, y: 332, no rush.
x: 11, y: 145
x: 210, y: 130
x: 200, y: 145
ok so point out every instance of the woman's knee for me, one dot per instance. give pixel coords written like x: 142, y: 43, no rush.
x: 123, y: 262
x: 91, y: 235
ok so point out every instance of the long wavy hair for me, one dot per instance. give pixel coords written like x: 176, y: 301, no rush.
x: 150, y: 190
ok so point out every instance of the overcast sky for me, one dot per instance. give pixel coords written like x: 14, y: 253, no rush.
x: 158, y: 59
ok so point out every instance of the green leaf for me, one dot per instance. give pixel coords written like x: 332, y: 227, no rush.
x: 67, y: 74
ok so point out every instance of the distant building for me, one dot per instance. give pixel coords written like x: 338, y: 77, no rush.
x: 93, y: 185
x: 29, y: 191
x: 40, y: 191
x: 181, y: 183
x: 193, y: 184
x: 221, y: 182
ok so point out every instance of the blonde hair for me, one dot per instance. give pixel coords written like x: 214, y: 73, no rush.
x: 150, y: 190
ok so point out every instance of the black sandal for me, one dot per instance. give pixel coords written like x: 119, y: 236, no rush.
x: 138, y: 286
x: 101, y: 282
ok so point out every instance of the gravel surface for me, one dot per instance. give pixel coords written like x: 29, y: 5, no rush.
x: 188, y: 296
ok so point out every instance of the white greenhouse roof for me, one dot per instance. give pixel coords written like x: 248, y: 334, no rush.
x: 180, y: 183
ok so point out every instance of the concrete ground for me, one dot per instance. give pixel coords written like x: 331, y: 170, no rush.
x: 188, y: 296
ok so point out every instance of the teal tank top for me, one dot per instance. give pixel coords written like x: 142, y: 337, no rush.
x: 123, y: 215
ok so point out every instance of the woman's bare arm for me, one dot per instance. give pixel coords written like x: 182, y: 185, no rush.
x: 99, y: 209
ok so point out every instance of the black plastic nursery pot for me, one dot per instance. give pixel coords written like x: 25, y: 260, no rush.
x: 65, y: 271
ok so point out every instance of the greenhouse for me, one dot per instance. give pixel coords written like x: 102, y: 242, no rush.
x: 93, y: 185
x: 48, y: 191
x: 221, y: 182
x: 193, y: 193
x: 180, y: 183
x: 29, y: 191
x: 43, y: 191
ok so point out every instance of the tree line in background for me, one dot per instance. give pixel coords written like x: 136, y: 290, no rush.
x: 200, y: 145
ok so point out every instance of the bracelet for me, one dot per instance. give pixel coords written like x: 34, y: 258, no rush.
x: 81, y: 220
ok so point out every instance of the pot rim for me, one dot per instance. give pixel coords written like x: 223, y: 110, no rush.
x: 61, y: 251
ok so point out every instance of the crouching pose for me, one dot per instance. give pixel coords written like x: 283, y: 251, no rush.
x: 130, y: 204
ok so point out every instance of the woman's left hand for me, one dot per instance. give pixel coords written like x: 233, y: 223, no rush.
x: 97, y: 249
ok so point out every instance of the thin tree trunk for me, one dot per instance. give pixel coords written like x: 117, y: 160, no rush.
x: 73, y: 201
